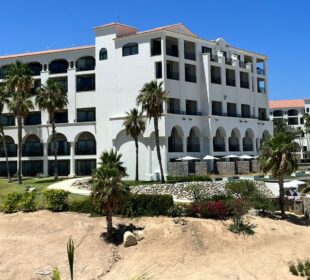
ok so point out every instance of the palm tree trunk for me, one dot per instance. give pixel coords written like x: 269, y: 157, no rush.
x: 282, y: 171
x: 5, y: 150
x: 137, y: 159
x: 109, y: 223
x: 55, y: 150
x: 158, y: 149
x: 19, y: 169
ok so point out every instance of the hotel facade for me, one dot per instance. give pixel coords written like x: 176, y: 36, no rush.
x: 218, y: 100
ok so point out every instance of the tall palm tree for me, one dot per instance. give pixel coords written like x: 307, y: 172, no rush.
x: 4, y: 100
x: 113, y: 159
x: 151, y: 99
x: 108, y: 187
x: 52, y: 97
x: 135, y: 125
x: 278, y: 157
x: 19, y: 84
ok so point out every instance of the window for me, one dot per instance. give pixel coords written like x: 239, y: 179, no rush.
x: 172, y: 47
x: 85, y: 167
x: 58, y: 66
x: 85, y: 83
x: 173, y: 106
x: 244, y: 80
x: 191, y: 107
x: 62, y: 82
x: 190, y: 73
x: 156, y: 46
x: 261, y: 85
x: 230, y: 78
x: 231, y: 109
x: 35, y: 68
x: 103, y: 54
x: 86, y: 115
x: 61, y: 117
x: 130, y: 49
x: 158, y: 70
x: 307, y: 110
x: 206, y: 50
x: 189, y: 50
x: 245, y: 111
x: 217, y: 108
x: 32, y: 147
x: 8, y: 120
x: 86, y: 63
x: 172, y: 70
x: 216, y: 75
x: 4, y: 71
x: 262, y: 115
x: 86, y: 144
x: 33, y: 118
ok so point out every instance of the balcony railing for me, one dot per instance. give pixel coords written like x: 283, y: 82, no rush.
x: 11, y: 150
x: 190, y: 78
x: 189, y: 55
x: 193, y: 148
x: 218, y: 147
x: 242, y: 64
x: 32, y: 150
x: 193, y: 113
x: 173, y: 75
x: 175, y: 148
x: 172, y: 52
x: 228, y: 61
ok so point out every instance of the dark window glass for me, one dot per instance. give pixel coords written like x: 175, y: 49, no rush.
x: 156, y: 46
x: 191, y: 107
x: 61, y: 117
x: 217, y: 108
x: 190, y: 73
x: 189, y: 50
x: 216, y: 75
x: 86, y: 145
x: 230, y: 78
x: 32, y: 147
x: 62, y: 82
x: 262, y: 115
x: 206, y: 50
x: 4, y: 71
x: 159, y: 71
x: 172, y: 47
x: 32, y: 167
x: 103, y: 54
x: 85, y: 167
x: 8, y: 120
x: 85, y: 83
x: 86, y: 115
x: 245, y: 111
x: 35, y: 68
x: 173, y: 70
x: 63, y: 167
x: 12, y: 167
x: 58, y: 66
x: 130, y: 49
x: 33, y: 118
x: 231, y: 109
x: 173, y: 106
x: 244, y: 80
x: 85, y: 64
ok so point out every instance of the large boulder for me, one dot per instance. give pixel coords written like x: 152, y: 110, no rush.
x: 129, y: 239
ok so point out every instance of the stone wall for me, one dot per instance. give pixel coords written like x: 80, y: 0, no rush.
x: 307, y: 206
x: 255, y: 166
x: 225, y: 167
x: 243, y: 167
x: 201, y: 168
x: 178, y: 168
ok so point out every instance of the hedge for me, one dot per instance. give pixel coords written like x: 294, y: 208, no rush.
x: 57, y: 200
x: 180, y: 179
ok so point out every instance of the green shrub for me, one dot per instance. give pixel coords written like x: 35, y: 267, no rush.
x: 242, y: 227
x: 136, y: 205
x: 57, y: 200
x: 300, y: 268
x: 11, y: 202
x: 180, y: 179
x: 176, y: 211
x: 56, y: 274
x: 87, y: 206
x: 28, y: 202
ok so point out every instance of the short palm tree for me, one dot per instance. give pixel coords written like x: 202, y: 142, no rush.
x: 113, y: 159
x: 278, y: 156
x: 151, y: 99
x: 108, y: 187
x: 52, y: 97
x: 19, y: 84
x: 135, y: 125
x: 4, y: 99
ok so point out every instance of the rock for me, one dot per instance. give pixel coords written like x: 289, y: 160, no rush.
x: 180, y: 221
x: 253, y: 212
x: 138, y: 234
x: 129, y: 239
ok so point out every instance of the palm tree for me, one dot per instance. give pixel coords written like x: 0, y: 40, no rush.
x: 151, y: 98
x: 3, y: 101
x: 306, y: 118
x: 19, y: 84
x: 113, y: 159
x: 52, y: 97
x: 278, y: 156
x: 108, y: 187
x: 135, y: 125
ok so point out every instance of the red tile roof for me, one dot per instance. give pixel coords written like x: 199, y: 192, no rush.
x: 113, y: 24
x: 46, y: 52
x: 297, y: 103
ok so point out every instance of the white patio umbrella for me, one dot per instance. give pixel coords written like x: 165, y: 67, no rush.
x: 294, y: 184
x: 246, y: 157
x: 231, y: 156
x: 187, y: 158
x: 207, y: 157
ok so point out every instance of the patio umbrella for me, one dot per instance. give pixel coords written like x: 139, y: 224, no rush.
x: 207, y: 157
x: 293, y: 184
x: 187, y: 158
x: 231, y: 156
x: 246, y: 157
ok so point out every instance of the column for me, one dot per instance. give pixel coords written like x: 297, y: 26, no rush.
x: 254, y: 145
x: 240, y: 144
x: 45, y: 159
x: 72, y: 159
x: 165, y: 155
x: 201, y: 149
x: 71, y: 95
x: 210, y: 139
x: 226, y: 144
x: 184, y: 145
x: 149, y: 160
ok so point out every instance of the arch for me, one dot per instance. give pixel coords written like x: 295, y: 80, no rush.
x: 219, y: 140
x: 32, y: 146
x: 8, y: 140
x: 130, y: 49
x: 10, y: 146
x: 233, y: 141
x: 85, y: 63
x: 193, y: 140
x: 278, y: 113
x: 292, y: 112
x: 175, y: 143
x: 58, y: 66
x: 35, y: 68
x: 62, y: 145
x: 248, y: 139
x: 86, y: 144
x: 103, y: 54
x: 265, y: 136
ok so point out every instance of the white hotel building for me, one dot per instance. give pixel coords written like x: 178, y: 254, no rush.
x: 218, y: 100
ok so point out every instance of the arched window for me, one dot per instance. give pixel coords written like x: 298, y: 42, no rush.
x: 85, y: 63
x: 32, y: 147
x: 58, y: 66
x: 130, y: 49
x: 35, y: 68
x: 103, y: 54
x: 86, y: 144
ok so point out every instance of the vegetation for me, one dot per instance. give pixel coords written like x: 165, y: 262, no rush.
x: 194, y: 178
x: 57, y: 200
x: 56, y: 274
x: 11, y: 202
x: 70, y: 252
x: 112, y: 159
x: 19, y: 84
x: 135, y: 125
x: 300, y: 268
x: 52, y: 98
x: 151, y: 99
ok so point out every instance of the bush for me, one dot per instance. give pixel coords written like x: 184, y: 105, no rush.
x: 87, y: 206
x: 136, y: 205
x: 242, y: 227
x: 176, y: 211
x: 57, y: 200
x: 28, y: 202
x: 301, y: 268
x: 209, y: 209
x: 180, y: 179
x: 11, y: 201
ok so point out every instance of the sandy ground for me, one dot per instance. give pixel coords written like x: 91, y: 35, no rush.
x: 66, y: 185
x: 201, y: 249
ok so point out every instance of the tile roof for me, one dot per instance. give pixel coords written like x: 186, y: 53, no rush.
x: 113, y: 24
x: 297, y: 103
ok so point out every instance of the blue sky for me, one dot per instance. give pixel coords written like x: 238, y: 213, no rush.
x: 277, y: 28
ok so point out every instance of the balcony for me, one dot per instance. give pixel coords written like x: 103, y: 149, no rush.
x: 175, y: 148
x: 11, y: 150
x: 242, y: 64
x: 193, y: 113
x: 193, y: 148
x: 228, y: 61
x: 218, y: 147
x: 214, y: 58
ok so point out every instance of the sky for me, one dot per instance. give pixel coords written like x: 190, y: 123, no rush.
x: 279, y: 29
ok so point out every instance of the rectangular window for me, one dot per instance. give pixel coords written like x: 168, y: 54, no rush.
x: 130, y: 49
x: 262, y: 115
x: 244, y: 80
x: 261, y: 85
x: 61, y: 117
x: 191, y: 107
x: 245, y: 111
x: 231, y: 109
x: 33, y: 118
x: 156, y: 46
x: 189, y: 50
x: 190, y: 73
x: 8, y: 120
x: 217, y: 108
x: 86, y: 115
x: 36, y: 85
x: 172, y: 70
x: 173, y: 106
x: 172, y: 46
x: 85, y: 83
x: 63, y: 82
x: 216, y: 75
x: 158, y: 70
x: 230, y: 78
x: 206, y: 50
